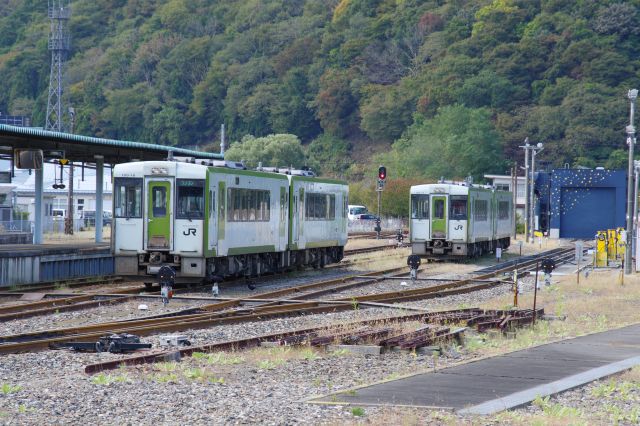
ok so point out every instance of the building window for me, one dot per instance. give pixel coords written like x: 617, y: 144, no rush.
x: 520, y: 192
x: 503, y: 210
x: 320, y: 206
x: 248, y: 205
x: 419, y: 206
x: 480, y: 210
x: 503, y: 187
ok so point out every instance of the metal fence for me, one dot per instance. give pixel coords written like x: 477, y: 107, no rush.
x: 388, y: 224
x: 15, y: 226
x: 50, y: 225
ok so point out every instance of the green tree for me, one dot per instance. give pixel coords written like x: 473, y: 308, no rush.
x: 281, y: 150
x: 456, y: 143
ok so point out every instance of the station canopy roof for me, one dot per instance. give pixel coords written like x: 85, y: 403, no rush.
x: 79, y: 148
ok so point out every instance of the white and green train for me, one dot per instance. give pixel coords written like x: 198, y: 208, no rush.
x: 215, y: 220
x: 459, y: 220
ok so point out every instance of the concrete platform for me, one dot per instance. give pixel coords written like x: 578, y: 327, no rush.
x: 28, y: 263
x: 494, y: 384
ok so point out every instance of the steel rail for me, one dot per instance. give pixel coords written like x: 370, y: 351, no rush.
x: 194, y: 321
x: 255, y: 341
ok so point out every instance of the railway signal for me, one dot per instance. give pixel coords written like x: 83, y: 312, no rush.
x: 382, y: 173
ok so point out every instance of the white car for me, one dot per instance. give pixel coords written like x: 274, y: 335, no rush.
x: 356, y: 211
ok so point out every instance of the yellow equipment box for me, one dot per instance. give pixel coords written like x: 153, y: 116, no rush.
x: 601, y: 258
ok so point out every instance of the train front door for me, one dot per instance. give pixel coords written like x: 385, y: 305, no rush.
x: 159, y: 213
x: 438, y: 216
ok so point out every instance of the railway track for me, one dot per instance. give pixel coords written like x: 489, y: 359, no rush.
x: 62, y: 284
x: 266, y: 305
x: 386, y: 334
x: 352, y: 252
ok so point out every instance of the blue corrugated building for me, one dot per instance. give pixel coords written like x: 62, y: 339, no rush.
x: 575, y: 203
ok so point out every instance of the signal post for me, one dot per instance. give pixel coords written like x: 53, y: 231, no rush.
x: 382, y: 176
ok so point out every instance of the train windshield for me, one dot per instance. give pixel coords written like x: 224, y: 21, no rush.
x: 128, y: 197
x: 458, y: 207
x: 190, y: 201
x: 419, y: 206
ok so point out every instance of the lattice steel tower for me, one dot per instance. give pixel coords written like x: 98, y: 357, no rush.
x: 59, y: 43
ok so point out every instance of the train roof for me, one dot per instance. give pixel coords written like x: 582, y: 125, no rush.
x: 440, y: 188
x: 449, y: 188
x: 198, y: 171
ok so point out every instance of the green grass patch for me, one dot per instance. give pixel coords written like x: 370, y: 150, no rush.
x: 357, y: 411
x: 7, y: 389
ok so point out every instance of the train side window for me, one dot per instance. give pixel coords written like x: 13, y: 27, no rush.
x: 480, y: 211
x: 419, y: 206
x: 249, y: 205
x: 212, y: 203
x: 320, y: 206
x: 458, y: 207
x: 128, y: 197
x: 503, y: 210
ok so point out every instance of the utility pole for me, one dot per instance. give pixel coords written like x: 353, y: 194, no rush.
x: 532, y: 208
x: 68, y: 221
x: 636, y: 168
x: 514, y: 195
x: 526, y: 148
x: 222, y: 145
x: 631, y: 140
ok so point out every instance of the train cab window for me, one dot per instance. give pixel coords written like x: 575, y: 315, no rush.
x: 458, y: 207
x: 159, y: 201
x: 128, y: 197
x: 190, y: 200
x: 419, y: 206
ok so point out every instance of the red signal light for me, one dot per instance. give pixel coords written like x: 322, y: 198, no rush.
x: 382, y: 172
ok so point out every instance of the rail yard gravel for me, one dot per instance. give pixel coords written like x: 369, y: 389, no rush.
x: 50, y: 387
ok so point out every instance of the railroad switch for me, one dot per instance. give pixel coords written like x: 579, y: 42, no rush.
x: 174, y: 340
x: 413, y: 262
x: 167, y: 278
x: 114, y: 343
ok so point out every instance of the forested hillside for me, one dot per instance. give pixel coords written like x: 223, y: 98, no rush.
x: 452, y: 86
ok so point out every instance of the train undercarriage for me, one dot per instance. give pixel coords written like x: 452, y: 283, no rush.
x: 450, y: 249
x: 198, y: 269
